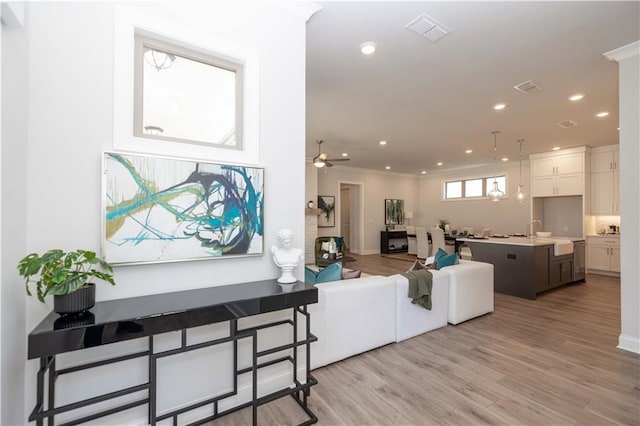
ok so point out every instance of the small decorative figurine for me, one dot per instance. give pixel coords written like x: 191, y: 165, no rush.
x: 285, y: 256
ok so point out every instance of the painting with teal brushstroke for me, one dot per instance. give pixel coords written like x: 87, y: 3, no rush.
x: 160, y: 210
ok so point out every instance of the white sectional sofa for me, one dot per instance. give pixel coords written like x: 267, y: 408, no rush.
x: 357, y: 315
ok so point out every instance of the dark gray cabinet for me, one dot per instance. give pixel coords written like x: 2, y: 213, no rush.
x: 393, y: 242
x: 560, y: 270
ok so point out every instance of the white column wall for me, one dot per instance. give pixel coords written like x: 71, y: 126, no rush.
x: 61, y: 97
x: 13, y: 229
x: 628, y: 58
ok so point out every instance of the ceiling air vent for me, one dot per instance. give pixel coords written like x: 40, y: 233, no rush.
x: 528, y: 87
x: 428, y: 27
x: 567, y: 123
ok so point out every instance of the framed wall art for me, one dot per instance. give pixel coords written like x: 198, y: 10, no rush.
x: 393, y: 212
x: 327, y: 219
x: 158, y: 209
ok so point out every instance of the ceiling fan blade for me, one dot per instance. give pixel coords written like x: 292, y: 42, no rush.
x: 337, y: 159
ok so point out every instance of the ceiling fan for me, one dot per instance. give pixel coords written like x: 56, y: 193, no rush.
x: 323, y: 159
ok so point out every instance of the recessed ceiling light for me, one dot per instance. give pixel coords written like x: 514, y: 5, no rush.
x: 505, y: 159
x: 387, y: 167
x: 383, y: 143
x: 345, y: 154
x: 602, y: 114
x: 439, y: 164
x: 576, y: 97
x: 618, y: 128
x: 424, y: 172
x: 368, y: 48
x: 555, y: 148
x: 469, y: 151
x: 499, y: 106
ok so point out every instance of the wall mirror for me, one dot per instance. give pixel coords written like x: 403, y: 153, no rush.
x: 186, y: 95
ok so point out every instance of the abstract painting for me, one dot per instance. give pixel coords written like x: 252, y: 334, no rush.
x: 327, y: 218
x: 393, y: 212
x: 162, y: 210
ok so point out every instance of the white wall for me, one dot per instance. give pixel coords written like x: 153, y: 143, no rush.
x: 61, y: 97
x: 377, y: 187
x: 505, y: 216
x: 13, y: 229
x: 629, y: 98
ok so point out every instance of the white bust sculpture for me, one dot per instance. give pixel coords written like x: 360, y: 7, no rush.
x: 285, y: 256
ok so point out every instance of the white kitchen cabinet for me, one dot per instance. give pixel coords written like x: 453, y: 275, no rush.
x: 603, y: 254
x: 557, y: 164
x: 605, y: 159
x: 605, y: 181
x: 557, y: 174
x: 557, y: 185
x: 605, y: 193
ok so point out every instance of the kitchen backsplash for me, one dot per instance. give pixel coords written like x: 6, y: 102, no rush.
x: 604, y: 222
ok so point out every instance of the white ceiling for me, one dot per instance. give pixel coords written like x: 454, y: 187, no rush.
x: 433, y: 100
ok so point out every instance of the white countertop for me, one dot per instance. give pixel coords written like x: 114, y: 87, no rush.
x: 604, y: 236
x: 521, y: 241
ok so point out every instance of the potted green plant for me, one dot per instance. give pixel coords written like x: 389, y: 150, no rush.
x: 442, y: 224
x: 65, y: 275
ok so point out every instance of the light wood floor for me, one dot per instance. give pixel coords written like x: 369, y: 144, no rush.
x: 552, y: 361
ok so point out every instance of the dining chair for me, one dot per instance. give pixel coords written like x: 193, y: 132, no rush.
x: 422, y: 242
x: 412, y: 243
x: 437, y: 241
x: 465, y: 253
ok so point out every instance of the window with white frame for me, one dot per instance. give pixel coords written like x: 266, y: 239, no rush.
x: 474, y: 188
x: 186, y: 95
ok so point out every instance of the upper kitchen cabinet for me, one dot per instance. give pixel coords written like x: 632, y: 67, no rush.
x: 605, y: 180
x: 558, y: 173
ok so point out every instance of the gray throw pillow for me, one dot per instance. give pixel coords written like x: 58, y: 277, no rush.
x: 347, y: 275
x: 416, y: 265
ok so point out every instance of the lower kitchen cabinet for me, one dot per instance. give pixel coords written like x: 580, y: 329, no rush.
x: 603, y: 254
x: 560, y: 270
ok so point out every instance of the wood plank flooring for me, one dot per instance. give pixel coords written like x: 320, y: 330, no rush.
x: 550, y: 361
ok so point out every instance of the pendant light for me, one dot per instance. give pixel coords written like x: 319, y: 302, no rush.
x: 520, y: 194
x: 158, y: 59
x: 495, y: 194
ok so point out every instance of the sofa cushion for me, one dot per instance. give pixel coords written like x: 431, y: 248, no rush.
x: 448, y: 260
x: 413, y: 320
x: 332, y: 272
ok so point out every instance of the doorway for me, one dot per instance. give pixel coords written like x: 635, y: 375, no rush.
x: 351, y: 220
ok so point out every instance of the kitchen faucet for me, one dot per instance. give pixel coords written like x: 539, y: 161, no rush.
x: 530, y: 228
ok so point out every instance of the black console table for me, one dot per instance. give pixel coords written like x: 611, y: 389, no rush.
x: 118, y: 320
x: 393, y: 242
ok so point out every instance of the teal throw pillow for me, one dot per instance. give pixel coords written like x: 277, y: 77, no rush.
x: 448, y: 260
x: 332, y: 272
x: 439, y: 255
x: 309, y: 275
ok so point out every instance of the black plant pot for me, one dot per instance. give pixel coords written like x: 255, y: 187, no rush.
x: 77, y: 302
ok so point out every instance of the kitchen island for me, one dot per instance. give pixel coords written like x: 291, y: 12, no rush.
x: 525, y: 267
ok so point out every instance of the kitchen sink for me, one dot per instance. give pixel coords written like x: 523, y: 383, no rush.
x: 560, y: 246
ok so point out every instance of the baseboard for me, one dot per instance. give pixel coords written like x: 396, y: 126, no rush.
x: 607, y: 273
x: 629, y: 343
x: 367, y: 252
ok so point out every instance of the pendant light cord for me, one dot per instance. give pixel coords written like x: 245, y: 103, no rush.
x: 495, y: 150
x: 520, y: 141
